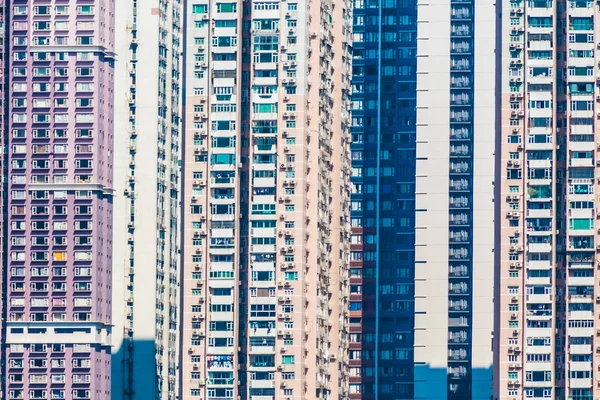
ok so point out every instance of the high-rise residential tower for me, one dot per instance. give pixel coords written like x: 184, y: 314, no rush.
x: 60, y: 211
x: 60, y: 139
x: 265, y: 199
x: 146, y: 228
x: 421, y: 268
x: 546, y: 338
x: 3, y: 169
x: 383, y: 199
x: 454, y: 193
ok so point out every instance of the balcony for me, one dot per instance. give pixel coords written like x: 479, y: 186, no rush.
x: 581, y: 243
x: 580, y: 349
x: 539, y: 213
x: 581, y: 162
x: 539, y: 298
x: 38, y: 379
x: 579, y: 383
x: 262, y: 384
x: 539, y: 247
x: 580, y: 280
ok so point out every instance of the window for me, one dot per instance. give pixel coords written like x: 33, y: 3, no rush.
x: 291, y: 276
x: 199, y: 8
x: 287, y: 360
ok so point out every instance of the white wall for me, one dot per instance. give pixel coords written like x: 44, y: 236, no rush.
x: 483, y: 198
x: 432, y: 198
x: 432, y: 182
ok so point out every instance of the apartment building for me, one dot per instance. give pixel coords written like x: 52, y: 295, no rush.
x: 546, y: 336
x: 454, y: 226
x: 264, y: 282
x: 59, y: 163
x: 3, y: 167
x: 146, y: 218
x: 383, y: 187
x: 421, y: 269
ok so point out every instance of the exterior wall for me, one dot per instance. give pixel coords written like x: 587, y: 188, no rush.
x: 547, y: 302
x: 147, y: 147
x: 454, y: 200
x: 265, y: 192
x: 483, y: 200
x: 3, y: 170
x: 60, y: 206
x: 210, y: 209
x: 383, y: 194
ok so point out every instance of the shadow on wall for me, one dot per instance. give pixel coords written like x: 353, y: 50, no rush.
x: 139, y: 375
x: 432, y: 384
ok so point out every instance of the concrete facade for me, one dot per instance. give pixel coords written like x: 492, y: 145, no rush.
x: 58, y: 322
x: 146, y: 200
x: 546, y: 338
x: 454, y: 200
x: 265, y: 199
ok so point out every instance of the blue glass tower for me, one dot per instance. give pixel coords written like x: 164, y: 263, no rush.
x: 383, y: 199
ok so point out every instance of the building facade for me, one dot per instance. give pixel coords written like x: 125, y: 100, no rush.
x: 455, y: 202
x: 146, y: 218
x: 265, y: 198
x: 546, y: 336
x: 3, y: 171
x: 383, y: 199
x: 59, y: 159
x: 422, y: 202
